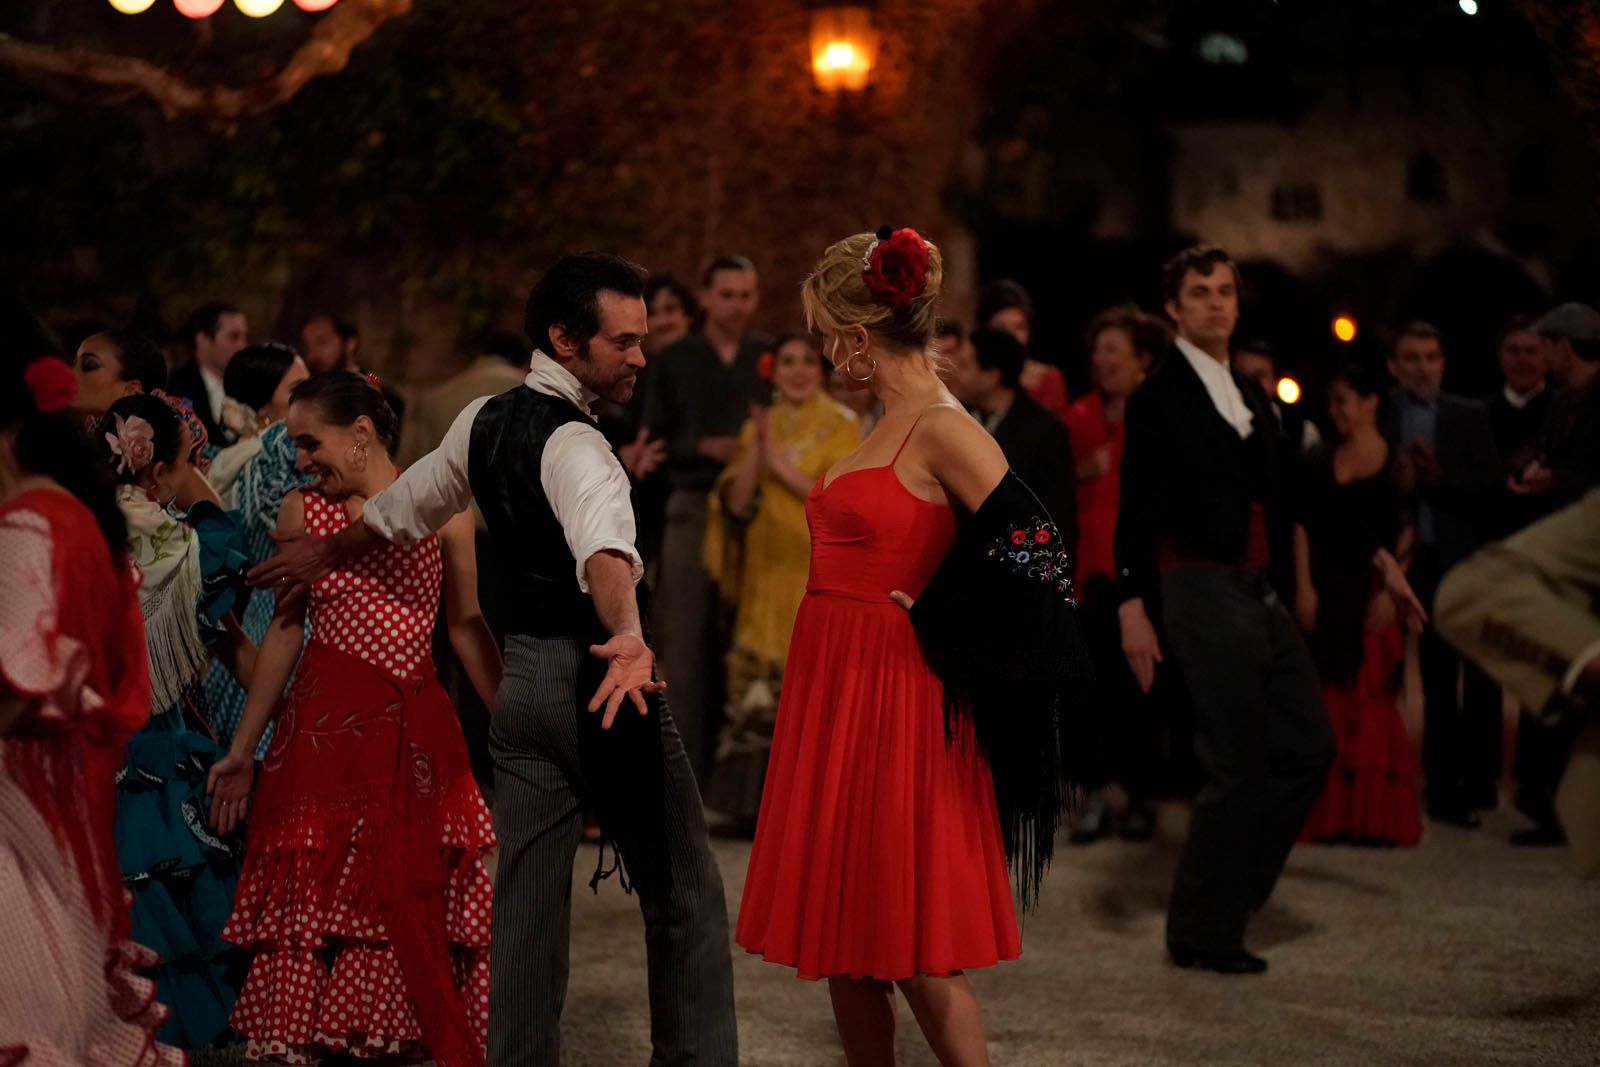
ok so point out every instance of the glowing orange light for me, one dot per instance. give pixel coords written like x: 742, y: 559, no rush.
x: 1288, y: 390
x: 1344, y: 328
x: 843, y: 47
x: 197, y: 9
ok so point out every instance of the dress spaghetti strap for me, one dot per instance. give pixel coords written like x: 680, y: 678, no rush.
x: 905, y: 440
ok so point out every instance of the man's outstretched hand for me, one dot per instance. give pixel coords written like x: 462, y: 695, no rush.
x: 631, y: 674
x: 302, y: 558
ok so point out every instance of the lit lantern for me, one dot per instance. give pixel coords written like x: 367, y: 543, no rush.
x: 314, y: 5
x: 1344, y: 328
x: 197, y: 9
x: 843, y: 47
x: 258, y: 9
x: 1288, y: 390
x: 132, y: 7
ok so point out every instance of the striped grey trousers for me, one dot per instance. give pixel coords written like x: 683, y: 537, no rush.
x: 540, y: 792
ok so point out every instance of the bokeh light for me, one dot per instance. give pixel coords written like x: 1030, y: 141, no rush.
x: 132, y: 7
x: 197, y: 9
x: 1344, y: 328
x: 258, y: 9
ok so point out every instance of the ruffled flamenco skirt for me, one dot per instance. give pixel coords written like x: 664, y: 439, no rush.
x: 878, y: 851
x: 364, y: 901
x: 181, y: 876
x: 68, y: 998
x: 1371, y: 794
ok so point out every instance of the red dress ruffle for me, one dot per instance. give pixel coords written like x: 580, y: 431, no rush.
x: 364, y: 899
x: 1371, y: 795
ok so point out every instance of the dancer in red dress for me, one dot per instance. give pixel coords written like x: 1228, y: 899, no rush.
x: 73, y: 688
x: 878, y: 859
x: 364, y: 897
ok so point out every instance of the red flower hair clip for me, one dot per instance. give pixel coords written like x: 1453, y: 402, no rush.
x: 52, y: 384
x: 896, y: 267
x: 766, y: 365
x: 372, y: 380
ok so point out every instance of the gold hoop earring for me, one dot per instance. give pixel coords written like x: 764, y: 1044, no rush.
x: 851, y: 362
x: 357, y: 458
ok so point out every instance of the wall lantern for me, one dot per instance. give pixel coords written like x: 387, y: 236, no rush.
x: 844, y: 45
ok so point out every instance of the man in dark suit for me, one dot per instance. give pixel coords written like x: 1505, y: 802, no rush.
x: 986, y: 375
x: 212, y: 334
x: 1445, y: 462
x: 1203, y: 481
x: 1518, y: 413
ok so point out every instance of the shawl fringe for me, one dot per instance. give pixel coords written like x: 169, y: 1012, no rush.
x: 999, y: 627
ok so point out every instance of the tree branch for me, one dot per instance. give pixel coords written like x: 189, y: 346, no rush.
x: 326, y: 51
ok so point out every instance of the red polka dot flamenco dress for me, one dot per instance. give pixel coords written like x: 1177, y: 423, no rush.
x: 364, y: 898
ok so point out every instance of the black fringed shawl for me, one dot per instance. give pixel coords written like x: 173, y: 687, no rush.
x: 999, y: 627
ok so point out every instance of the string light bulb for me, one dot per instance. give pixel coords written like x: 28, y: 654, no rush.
x: 1288, y: 390
x: 197, y: 9
x: 314, y: 5
x: 132, y: 7
x: 258, y: 9
x: 1344, y: 328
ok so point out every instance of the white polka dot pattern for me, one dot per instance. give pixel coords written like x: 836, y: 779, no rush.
x: 380, y: 609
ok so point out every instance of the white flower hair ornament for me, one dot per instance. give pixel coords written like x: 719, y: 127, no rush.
x: 134, y: 444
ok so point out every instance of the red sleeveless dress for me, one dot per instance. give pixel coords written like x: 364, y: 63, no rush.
x: 364, y: 899
x: 878, y: 851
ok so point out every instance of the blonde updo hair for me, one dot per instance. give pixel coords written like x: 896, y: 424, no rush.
x: 835, y: 297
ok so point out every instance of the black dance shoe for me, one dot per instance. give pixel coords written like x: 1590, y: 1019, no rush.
x: 1230, y: 961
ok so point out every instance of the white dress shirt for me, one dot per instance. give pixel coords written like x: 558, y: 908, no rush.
x: 1219, y: 383
x: 585, y: 484
x: 215, y: 393
x: 1520, y: 400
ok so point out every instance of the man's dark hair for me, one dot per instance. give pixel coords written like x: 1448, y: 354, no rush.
x: 344, y: 327
x: 677, y: 287
x: 568, y: 295
x: 947, y: 327
x: 1257, y: 347
x: 508, y: 345
x: 256, y: 371
x: 1419, y: 330
x: 1202, y: 259
x: 999, y: 351
x: 1001, y: 295
x: 729, y: 261
x: 141, y: 359
x: 206, y: 319
x: 1515, y: 324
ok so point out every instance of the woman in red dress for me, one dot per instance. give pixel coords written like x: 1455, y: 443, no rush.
x: 878, y: 858
x: 364, y: 898
x: 73, y: 688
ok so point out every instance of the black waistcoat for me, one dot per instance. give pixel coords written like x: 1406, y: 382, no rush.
x: 531, y: 557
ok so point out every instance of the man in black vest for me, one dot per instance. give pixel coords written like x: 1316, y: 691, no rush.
x: 558, y: 506
x: 1202, y: 482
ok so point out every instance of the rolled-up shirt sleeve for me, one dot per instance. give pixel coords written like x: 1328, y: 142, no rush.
x: 429, y: 492
x: 589, y: 492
